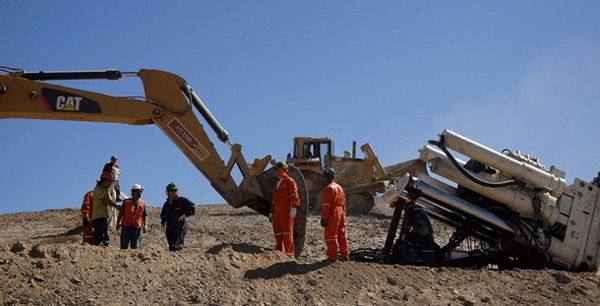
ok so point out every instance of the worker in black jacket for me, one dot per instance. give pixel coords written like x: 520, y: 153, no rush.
x: 173, y: 214
x: 417, y: 232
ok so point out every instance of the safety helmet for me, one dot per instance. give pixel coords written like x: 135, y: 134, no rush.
x: 282, y: 165
x: 172, y: 186
x: 137, y: 187
x: 106, y: 176
x: 329, y: 172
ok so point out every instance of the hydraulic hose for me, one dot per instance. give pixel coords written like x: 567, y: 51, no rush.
x: 73, y: 75
x: 207, y: 115
x: 440, y: 144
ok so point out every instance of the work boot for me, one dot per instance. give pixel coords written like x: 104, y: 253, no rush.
x: 405, y: 253
x: 429, y: 257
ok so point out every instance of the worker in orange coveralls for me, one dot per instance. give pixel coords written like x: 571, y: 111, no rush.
x: 284, y: 208
x: 87, y: 207
x: 333, y: 217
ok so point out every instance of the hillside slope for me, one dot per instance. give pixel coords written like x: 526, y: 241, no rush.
x: 229, y: 260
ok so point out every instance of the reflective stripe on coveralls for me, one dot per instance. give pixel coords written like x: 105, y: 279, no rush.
x: 87, y: 207
x: 334, y: 212
x: 285, y: 197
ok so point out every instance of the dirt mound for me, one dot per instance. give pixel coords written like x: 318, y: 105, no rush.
x: 228, y: 260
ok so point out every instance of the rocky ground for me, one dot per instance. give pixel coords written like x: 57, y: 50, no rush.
x: 229, y: 260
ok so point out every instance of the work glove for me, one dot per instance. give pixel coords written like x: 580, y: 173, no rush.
x: 323, y: 222
x: 86, y: 222
x: 271, y: 217
x: 293, y: 212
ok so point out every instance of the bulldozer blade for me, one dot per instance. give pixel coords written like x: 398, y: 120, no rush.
x: 410, y: 166
x: 378, y: 186
x: 257, y: 190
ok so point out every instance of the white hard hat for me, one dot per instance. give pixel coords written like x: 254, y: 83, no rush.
x: 137, y: 187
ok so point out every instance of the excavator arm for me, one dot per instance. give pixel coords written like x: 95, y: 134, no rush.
x: 168, y: 103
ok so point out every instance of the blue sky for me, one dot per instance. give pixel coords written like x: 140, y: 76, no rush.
x: 508, y: 74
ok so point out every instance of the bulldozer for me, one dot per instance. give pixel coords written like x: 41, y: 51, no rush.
x: 169, y: 103
x: 361, y: 178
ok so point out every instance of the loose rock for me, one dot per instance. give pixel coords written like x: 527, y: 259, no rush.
x: 41, y: 265
x: 466, y: 301
x: 392, y: 281
x: 38, y: 278
x: 18, y: 247
x: 579, y: 290
x: 38, y: 251
x: 562, y: 278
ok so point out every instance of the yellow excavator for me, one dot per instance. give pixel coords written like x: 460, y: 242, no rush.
x: 169, y: 103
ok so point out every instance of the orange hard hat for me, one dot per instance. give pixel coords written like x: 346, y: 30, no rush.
x: 106, y: 176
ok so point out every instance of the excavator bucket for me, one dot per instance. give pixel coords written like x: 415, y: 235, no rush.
x: 257, y: 190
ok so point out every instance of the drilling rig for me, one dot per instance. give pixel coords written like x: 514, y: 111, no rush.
x: 522, y: 214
